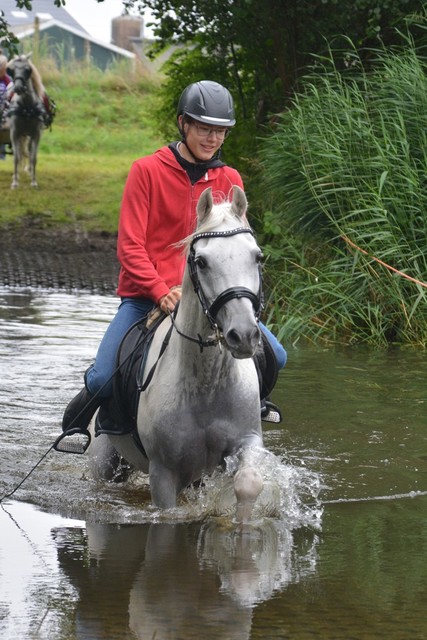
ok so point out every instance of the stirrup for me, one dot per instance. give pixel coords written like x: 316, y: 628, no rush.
x: 270, y: 412
x: 78, y: 441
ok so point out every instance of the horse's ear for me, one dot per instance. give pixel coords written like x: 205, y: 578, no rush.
x: 239, y: 203
x: 205, y: 204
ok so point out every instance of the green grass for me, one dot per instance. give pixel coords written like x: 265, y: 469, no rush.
x: 103, y: 123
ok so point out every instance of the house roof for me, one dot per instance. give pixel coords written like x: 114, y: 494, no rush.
x: 45, y: 26
x: 45, y: 10
x: 51, y: 19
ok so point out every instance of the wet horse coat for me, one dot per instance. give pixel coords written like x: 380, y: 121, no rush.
x: 202, y: 403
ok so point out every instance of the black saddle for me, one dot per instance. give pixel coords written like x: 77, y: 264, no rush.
x: 118, y: 415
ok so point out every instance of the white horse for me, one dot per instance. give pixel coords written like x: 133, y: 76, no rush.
x: 26, y: 115
x: 203, y: 403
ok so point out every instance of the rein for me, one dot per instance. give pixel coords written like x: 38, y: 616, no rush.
x: 213, y: 342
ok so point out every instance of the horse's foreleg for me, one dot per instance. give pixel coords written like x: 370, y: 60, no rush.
x: 34, y: 143
x: 15, y: 167
x: 248, y: 484
x: 163, y: 486
x: 104, y: 461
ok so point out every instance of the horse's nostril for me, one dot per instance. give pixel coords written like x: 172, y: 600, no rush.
x: 233, y: 337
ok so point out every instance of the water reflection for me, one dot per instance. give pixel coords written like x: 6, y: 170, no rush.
x: 176, y: 579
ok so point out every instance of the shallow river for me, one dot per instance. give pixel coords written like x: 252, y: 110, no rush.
x: 340, y: 553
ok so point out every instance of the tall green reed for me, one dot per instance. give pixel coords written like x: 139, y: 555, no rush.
x: 346, y: 170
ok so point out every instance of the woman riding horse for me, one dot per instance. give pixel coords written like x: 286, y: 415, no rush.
x: 158, y: 210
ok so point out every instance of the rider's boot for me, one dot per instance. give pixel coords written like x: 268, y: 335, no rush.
x: 267, y: 370
x: 104, y: 421
x: 80, y: 410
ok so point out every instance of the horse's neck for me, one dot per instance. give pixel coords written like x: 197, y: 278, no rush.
x: 35, y: 97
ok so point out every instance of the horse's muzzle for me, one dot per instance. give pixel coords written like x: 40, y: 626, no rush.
x: 19, y: 89
x: 243, y: 344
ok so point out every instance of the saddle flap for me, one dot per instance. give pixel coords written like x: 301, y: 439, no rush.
x: 131, y: 358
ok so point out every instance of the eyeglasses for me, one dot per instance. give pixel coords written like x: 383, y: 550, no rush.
x: 205, y: 132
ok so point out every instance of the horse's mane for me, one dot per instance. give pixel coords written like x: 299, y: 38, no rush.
x: 220, y: 215
x: 37, y: 81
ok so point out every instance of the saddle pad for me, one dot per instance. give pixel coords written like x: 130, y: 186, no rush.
x: 131, y: 359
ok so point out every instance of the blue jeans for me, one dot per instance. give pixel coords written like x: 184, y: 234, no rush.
x: 98, y: 376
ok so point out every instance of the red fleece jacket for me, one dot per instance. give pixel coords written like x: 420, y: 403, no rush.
x: 159, y: 209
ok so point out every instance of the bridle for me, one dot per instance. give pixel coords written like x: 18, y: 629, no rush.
x: 229, y: 294
x: 211, y: 310
x: 20, y: 79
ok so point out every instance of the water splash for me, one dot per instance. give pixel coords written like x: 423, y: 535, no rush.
x: 290, y: 493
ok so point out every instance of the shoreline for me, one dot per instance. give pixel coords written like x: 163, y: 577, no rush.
x: 65, y: 258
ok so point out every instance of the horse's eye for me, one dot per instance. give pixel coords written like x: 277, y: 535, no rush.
x: 260, y: 258
x: 201, y: 262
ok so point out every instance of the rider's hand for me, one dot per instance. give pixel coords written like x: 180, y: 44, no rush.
x: 168, y: 302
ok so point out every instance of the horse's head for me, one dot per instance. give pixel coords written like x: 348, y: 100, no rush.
x: 26, y: 78
x: 224, y: 266
x: 20, y: 68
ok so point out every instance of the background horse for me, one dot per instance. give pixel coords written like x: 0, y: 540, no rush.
x: 202, y: 404
x: 26, y: 115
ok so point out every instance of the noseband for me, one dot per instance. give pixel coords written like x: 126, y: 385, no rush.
x: 229, y: 294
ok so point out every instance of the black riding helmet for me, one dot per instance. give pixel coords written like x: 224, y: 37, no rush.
x: 207, y: 102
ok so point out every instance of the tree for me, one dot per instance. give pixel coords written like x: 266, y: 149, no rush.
x: 267, y: 45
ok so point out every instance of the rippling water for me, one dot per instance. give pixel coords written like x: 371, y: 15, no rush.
x: 341, y: 555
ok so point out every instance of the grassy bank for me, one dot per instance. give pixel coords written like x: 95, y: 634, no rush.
x: 104, y: 122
